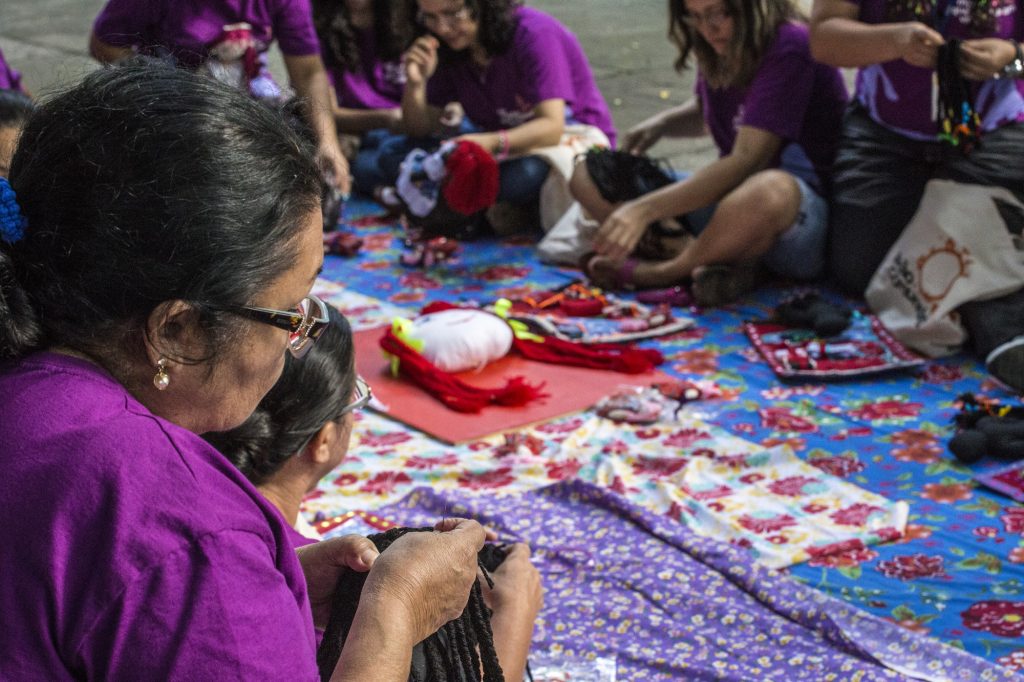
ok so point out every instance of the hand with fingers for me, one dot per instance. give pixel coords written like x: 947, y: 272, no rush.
x: 421, y: 60
x: 984, y: 58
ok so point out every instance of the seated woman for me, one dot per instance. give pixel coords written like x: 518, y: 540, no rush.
x: 159, y: 237
x: 518, y: 74
x: 361, y: 42
x: 234, y: 35
x: 889, y: 147
x: 770, y: 109
x: 15, y: 108
x: 300, y: 432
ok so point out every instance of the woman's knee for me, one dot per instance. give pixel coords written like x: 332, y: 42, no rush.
x: 521, y: 179
x: 771, y: 195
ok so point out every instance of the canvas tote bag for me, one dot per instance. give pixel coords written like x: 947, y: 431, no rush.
x: 963, y: 244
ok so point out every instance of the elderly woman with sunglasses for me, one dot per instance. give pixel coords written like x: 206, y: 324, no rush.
x: 301, y: 431
x: 159, y: 236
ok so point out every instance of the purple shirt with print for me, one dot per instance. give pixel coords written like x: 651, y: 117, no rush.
x: 790, y: 95
x: 187, y: 30
x: 900, y: 96
x: 9, y: 78
x: 133, y: 549
x: 376, y: 84
x: 545, y: 61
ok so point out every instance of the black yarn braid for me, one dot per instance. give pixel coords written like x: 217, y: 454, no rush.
x: 959, y: 123
x: 459, y: 651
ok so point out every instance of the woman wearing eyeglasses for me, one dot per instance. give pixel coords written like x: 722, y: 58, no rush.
x: 300, y: 432
x: 518, y: 74
x: 774, y: 114
x: 159, y: 237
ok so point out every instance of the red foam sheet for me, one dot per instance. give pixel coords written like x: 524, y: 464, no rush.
x: 571, y: 389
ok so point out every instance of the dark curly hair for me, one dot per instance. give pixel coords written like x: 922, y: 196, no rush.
x: 756, y: 24
x: 310, y: 392
x: 145, y: 184
x: 392, y: 27
x: 497, y: 22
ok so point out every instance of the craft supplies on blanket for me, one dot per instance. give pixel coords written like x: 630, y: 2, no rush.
x: 864, y: 348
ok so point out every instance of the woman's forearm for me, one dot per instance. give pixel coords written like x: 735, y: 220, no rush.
x: 378, y: 647
x: 416, y: 113
x: 844, y: 42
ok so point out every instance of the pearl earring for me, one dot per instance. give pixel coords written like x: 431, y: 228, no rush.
x: 161, y: 380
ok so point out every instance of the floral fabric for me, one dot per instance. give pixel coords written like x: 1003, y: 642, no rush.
x: 956, y: 574
x: 670, y: 605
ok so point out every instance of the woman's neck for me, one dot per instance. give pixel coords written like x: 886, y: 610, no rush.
x: 287, y: 497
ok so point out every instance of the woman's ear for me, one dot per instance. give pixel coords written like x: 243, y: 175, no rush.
x: 173, y: 332
x: 319, y: 447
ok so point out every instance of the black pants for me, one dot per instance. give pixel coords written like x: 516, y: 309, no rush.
x: 877, y: 184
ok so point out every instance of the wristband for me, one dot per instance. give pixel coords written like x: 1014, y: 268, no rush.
x: 502, y: 145
x: 1015, y: 69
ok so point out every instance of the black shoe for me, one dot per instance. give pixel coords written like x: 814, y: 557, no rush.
x: 1006, y: 364
x: 811, y: 311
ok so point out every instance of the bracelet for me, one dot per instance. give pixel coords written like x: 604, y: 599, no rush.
x: 1015, y: 69
x: 502, y: 145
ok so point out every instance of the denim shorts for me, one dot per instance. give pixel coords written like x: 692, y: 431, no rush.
x: 800, y: 251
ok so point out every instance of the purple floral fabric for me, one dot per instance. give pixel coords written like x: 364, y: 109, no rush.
x: 669, y: 604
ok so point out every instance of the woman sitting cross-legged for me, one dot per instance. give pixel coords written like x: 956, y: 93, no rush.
x: 300, y: 432
x: 774, y: 115
x: 159, y: 237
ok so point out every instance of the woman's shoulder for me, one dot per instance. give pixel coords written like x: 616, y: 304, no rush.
x: 792, y: 36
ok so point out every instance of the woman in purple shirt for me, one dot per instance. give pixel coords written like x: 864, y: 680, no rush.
x: 361, y: 42
x: 190, y: 32
x: 159, y: 237
x: 889, y: 147
x: 300, y: 432
x: 518, y: 74
x: 773, y: 114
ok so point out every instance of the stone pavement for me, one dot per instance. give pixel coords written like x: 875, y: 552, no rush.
x: 47, y: 40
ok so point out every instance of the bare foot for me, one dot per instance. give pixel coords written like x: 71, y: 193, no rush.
x: 631, y: 274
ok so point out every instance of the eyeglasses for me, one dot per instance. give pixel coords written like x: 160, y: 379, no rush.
x: 713, y: 18
x: 361, y: 397
x: 448, y: 18
x: 304, y: 325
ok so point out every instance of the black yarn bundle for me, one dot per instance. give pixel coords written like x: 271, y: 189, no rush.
x: 959, y: 123
x: 457, y: 652
x: 986, y: 428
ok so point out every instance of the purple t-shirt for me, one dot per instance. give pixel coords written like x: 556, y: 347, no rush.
x: 900, y: 96
x: 376, y: 84
x: 790, y: 95
x: 187, y: 29
x: 545, y: 61
x: 132, y: 549
x: 9, y: 78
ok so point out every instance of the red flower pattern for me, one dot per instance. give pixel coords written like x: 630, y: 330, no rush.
x: 912, y: 566
x: 684, y: 438
x: 417, y: 462
x: 764, y: 526
x: 484, y: 480
x: 385, y: 482
x: 792, y: 486
x: 659, y: 467
x: 783, y: 419
x: 947, y: 493
x: 558, y: 471
x: 854, y: 515
x: 1013, y: 520
x: 384, y: 440
x: 886, y: 409
x: 839, y: 465
x: 698, y: 361
x: 500, y: 272
x: 1001, y: 618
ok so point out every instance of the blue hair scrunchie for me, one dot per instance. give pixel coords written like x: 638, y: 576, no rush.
x: 12, y: 222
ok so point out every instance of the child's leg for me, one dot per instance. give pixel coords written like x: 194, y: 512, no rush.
x: 745, y: 226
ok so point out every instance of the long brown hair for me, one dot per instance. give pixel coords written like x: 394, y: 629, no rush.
x: 756, y: 25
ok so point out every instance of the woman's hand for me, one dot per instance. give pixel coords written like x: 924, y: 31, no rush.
x: 515, y: 599
x: 984, y: 58
x: 426, y: 577
x: 918, y: 44
x: 488, y: 141
x: 421, y: 60
x: 621, y: 231
x: 643, y: 136
x: 323, y: 562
